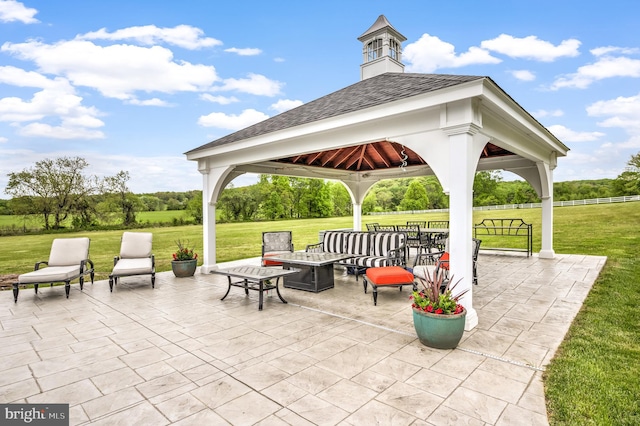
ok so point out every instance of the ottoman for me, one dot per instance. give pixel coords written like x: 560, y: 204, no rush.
x: 387, y: 276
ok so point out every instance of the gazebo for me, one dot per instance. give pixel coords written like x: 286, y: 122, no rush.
x: 389, y: 125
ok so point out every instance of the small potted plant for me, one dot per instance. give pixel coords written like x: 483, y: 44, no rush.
x: 438, y: 317
x: 184, y: 260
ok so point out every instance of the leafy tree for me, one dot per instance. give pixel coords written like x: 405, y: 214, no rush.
x: 54, y: 188
x: 415, y: 198
x: 276, y: 195
x: 151, y: 203
x: 317, y: 199
x: 628, y: 182
x: 194, y: 208
x: 342, y: 205
x: 122, y: 198
x: 485, y: 187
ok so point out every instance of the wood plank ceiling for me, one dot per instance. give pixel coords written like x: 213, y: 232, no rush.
x: 372, y: 156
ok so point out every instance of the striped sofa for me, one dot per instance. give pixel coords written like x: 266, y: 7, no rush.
x: 369, y: 249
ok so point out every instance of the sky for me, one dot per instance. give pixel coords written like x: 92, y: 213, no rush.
x: 133, y: 85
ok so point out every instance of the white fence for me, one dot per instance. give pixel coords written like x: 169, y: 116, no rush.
x: 625, y: 199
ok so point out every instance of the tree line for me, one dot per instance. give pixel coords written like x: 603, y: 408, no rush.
x: 60, y: 189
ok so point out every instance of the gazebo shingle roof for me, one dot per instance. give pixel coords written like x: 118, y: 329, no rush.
x: 364, y: 94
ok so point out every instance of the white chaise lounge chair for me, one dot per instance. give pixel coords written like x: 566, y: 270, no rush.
x: 68, y: 260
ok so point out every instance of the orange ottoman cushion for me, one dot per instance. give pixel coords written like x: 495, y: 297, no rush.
x: 267, y: 262
x: 385, y: 275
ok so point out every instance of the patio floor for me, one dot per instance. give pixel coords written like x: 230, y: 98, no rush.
x: 176, y: 354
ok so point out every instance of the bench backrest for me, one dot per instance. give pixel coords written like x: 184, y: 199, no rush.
x: 383, y: 242
x: 357, y: 243
x: 362, y: 243
x: 333, y: 242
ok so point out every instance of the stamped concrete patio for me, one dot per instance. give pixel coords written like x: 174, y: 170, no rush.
x: 176, y: 354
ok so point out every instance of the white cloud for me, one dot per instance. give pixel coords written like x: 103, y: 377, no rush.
x: 149, y: 102
x: 11, y: 10
x: 42, y: 130
x: 184, y: 36
x: 3, y: 139
x: 244, y: 52
x: 116, y: 71
x: 544, y: 113
x: 568, y: 135
x: 222, y: 100
x: 256, y: 84
x: 278, y: 59
x: 285, y: 104
x: 605, y: 67
x: 623, y: 112
x: 524, y: 75
x: 601, y: 51
x: 56, y: 100
x: 231, y: 121
x: 430, y: 53
x: 532, y: 47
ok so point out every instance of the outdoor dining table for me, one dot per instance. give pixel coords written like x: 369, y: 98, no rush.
x: 256, y: 278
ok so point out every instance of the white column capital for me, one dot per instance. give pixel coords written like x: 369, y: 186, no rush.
x: 460, y: 129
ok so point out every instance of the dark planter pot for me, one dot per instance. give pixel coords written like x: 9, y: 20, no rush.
x: 184, y: 268
x: 439, y: 331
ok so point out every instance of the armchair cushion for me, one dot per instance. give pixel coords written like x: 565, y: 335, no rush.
x: 126, y: 267
x: 136, y: 245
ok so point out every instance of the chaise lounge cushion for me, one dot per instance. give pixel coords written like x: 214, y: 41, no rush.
x: 52, y: 274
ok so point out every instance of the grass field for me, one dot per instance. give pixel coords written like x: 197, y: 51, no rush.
x: 594, y: 378
x: 35, y: 221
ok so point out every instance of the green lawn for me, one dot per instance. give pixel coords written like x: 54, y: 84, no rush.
x: 35, y: 221
x: 595, y: 377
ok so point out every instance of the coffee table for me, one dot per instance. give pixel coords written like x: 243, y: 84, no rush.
x: 313, y: 271
x: 256, y: 278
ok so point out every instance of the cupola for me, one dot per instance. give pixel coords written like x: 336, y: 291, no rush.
x: 381, y: 49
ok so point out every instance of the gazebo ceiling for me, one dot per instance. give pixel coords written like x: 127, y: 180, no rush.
x: 372, y: 156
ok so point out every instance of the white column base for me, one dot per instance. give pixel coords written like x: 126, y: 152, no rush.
x: 546, y: 254
x: 206, y: 269
x: 471, y: 320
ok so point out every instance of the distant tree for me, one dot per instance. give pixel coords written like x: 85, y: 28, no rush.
x: 485, y: 187
x: 415, y: 198
x: 54, y: 188
x: 194, y: 208
x: 369, y: 204
x: 151, y: 203
x: 121, y: 197
x: 316, y: 200
x: 628, y: 182
x: 276, y: 197
x: 342, y: 205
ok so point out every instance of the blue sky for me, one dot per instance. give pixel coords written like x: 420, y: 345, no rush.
x: 132, y: 85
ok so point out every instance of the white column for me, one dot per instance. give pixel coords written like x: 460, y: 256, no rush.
x: 546, y: 251
x: 462, y: 169
x: 208, y: 226
x: 546, y: 176
x: 357, y: 216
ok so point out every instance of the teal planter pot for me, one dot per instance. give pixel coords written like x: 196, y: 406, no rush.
x: 439, y: 331
x: 184, y: 268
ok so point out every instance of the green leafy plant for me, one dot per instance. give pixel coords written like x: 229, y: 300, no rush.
x: 436, y: 295
x: 184, y: 252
